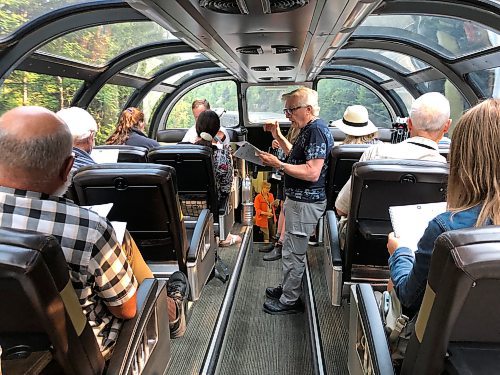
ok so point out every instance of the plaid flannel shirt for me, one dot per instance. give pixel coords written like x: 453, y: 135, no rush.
x: 99, y: 270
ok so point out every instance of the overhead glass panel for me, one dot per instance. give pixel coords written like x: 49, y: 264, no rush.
x: 449, y: 37
x: 178, y: 78
x: 402, y: 63
x: 98, y: 45
x: 382, y: 76
x: 106, y: 108
x: 488, y: 82
x: 149, y: 67
x: 16, y: 13
x: 336, y: 94
x: 405, y: 97
x: 26, y: 88
x: 372, y: 74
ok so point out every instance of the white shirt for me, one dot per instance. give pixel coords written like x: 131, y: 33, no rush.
x: 191, y: 135
x: 414, y: 148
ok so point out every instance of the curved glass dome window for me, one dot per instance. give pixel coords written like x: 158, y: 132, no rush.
x: 488, y: 82
x: 336, y: 94
x: 149, y: 67
x: 16, y: 13
x: 179, y: 78
x: 402, y: 63
x: 97, y: 45
x: 382, y: 76
x: 370, y: 73
x: 447, y: 36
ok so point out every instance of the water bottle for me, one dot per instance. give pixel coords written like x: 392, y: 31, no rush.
x: 247, y: 205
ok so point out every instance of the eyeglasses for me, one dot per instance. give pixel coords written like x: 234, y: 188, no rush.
x: 289, y: 111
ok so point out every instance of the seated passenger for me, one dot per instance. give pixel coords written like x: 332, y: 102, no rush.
x: 83, y: 129
x: 130, y: 130
x: 473, y: 199
x: 35, y: 161
x: 357, y: 126
x: 429, y: 120
x: 199, y: 106
x: 208, y: 133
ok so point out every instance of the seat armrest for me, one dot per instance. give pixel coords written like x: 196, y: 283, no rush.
x: 372, y: 329
x: 130, y: 340
x: 333, y: 233
x: 202, y: 223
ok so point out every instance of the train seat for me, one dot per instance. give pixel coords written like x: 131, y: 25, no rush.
x: 145, y: 197
x: 458, y: 326
x: 196, y: 183
x: 127, y: 154
x: 377, y: 185
x: 43, y: 325
x: 341, y: 160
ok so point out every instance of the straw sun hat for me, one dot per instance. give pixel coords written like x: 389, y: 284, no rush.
x: 355, y: 122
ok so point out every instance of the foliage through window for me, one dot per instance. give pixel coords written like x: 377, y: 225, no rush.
x: 24, y: 88
x: 222, y: 97
x: 335, y: 95
x: 106, y: 108
x: 99, y: 44
x: 264, y: 103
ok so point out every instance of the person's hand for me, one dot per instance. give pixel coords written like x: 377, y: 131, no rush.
x: 269, y: 160
x: 276, y: 203
x: 273, y: 128
x: 269, y: 214
x: 275, y: 144
x: 392, y: 243
x: 390, y: 285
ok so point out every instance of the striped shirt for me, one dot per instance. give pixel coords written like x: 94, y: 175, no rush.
x: 98, y: 268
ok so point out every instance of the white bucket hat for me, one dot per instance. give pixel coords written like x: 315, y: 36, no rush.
x: 355, y: 122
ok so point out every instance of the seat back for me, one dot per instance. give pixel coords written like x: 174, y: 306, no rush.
x: 195, y: 176
x: 171, y: 135
x: 40, y: 309
x: 341, y: 160
x: 459, y: 312
x: 127, y: 154
x: 145, y: 196
x: 376, y: 185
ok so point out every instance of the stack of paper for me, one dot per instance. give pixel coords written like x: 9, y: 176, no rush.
x: 409, y: 222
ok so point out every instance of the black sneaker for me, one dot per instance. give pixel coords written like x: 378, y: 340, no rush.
x: 274, y: 293
x: 178, y: 286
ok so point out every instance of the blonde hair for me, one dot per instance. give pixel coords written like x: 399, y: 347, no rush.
x: 129, y: 119
x: 306, y: 96
x: 363, y: 139
x: 474, y: 162
x: 265, y: 184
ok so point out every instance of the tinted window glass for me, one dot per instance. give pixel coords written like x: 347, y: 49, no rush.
x: 222, y: 98
x: 149, y: 67
x: 149, y: 105
x: 106, y: 108
x: 98, y: 45
x: 335, y: 95
x: 25, y: 88
x: 264, y: 103
x: 488, y: 82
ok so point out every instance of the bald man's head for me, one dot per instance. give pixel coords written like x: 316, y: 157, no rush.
x: 35, y: 145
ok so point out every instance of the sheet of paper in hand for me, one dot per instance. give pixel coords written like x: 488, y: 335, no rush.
x: 248, y: 152
x: 409, y: 222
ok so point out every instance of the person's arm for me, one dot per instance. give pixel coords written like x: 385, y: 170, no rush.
x: 410, y: 271
x: 114, y: 280
x: 344, y: 199
x: 310, y: 171
x: 274, y: 129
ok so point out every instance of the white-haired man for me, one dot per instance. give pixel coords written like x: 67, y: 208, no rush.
x: 305, y: 178
x: 83, y: 129
x: 429, y: 120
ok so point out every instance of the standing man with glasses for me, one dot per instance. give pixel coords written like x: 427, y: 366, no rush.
x: 305, y: 172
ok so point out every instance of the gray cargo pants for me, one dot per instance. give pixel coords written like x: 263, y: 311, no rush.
x: 300, y: 222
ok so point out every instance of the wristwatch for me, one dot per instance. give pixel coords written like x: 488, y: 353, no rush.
x: 282, y: 167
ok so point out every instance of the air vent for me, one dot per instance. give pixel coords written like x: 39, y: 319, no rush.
x: 250, y: 50
x: 278, y: 6
x: 284, y: 68
x: 285, y: 78
x: 224, y: 6
x: 260, y: 68
x: 266, y: 78
x: 283, y: 49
